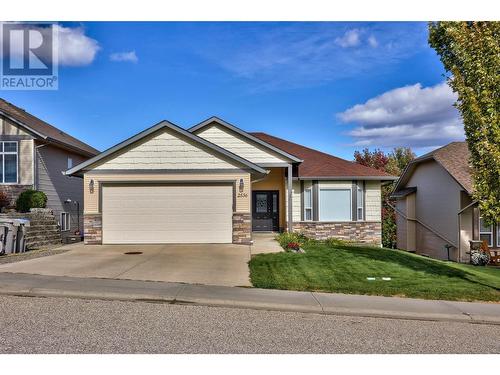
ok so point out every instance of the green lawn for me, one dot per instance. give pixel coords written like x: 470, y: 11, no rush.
x: 344, y: 269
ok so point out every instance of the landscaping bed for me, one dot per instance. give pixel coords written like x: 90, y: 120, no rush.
x: 334, y: 266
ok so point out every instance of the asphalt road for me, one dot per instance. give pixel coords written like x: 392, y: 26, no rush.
x: 60, y: 325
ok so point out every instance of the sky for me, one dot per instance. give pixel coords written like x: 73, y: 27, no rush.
x: 334, y: 86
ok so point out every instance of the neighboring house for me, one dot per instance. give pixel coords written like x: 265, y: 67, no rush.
x: 435, y: 206
x: 34, y: 155
x: 216, y: 183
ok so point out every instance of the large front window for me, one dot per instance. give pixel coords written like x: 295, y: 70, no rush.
x: 335, y: 205
x: 8, y: 162
x: 485, y: 232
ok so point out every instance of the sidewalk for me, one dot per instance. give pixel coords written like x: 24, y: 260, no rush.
x: 252, y: 298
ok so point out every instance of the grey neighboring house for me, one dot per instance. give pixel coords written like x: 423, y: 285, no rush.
x: 33, y: 155
x: 435, y: 207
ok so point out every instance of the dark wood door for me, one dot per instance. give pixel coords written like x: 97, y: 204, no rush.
x: 265, y: 211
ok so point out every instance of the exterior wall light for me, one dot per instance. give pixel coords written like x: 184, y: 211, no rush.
x: 91, y: 186
x: 242, y: 185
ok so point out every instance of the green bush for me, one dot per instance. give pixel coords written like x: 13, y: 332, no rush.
x: 285, y: 238
x: 30, y: 199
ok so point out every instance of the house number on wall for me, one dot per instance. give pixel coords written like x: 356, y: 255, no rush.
x: 242, y: 195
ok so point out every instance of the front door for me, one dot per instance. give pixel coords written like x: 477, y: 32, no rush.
x: 265, y: 211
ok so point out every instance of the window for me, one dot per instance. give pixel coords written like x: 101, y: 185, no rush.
x: 485, y: 232
x: 70, y: 163
x: 498, y: 234
x: 360, y: 196
x: 335, y: 205
x: 8, y: 162
x: 65, y: 224
x: 308, y: 204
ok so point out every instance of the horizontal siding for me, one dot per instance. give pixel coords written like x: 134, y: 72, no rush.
x: 51, y: 162
x: 373, y: 198
x: 335, y: 184
x: 91, y: 200
x: 239, y: 145
x: 166, y: 150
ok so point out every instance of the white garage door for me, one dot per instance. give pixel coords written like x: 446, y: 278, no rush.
x: 167, y: 214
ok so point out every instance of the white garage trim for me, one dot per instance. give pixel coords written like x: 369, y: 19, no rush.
x: 167, y: 213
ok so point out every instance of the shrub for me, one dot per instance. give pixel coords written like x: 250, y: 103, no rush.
x: 4, y: 200
x: 30, y: 199
x: 286, y: 238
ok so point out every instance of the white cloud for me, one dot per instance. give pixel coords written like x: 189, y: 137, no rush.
x: 412, y: 116
x: 124, y: 56
x: 74, y: 48
x: 372, y: 41
x: 349, y: 39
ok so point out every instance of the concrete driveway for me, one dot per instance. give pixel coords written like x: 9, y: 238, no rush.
x: 210, y: 264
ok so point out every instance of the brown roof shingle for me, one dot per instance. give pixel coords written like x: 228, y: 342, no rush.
x: 319, y: 164
x: 49, y: 132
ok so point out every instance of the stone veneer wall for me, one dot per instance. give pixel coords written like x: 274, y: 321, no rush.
x: 13, y: 191
x: 43, y: 231
x: 92, y: 229
x: 362, y: 231
x: 242, y: 227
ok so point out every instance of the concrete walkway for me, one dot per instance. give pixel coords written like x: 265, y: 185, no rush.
x: 307, y: 302
x: 265, y: 243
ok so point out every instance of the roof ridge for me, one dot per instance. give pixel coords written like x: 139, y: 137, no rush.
x: 320, y: 152
x: 11, y: 107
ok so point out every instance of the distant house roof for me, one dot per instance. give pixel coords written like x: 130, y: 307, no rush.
x: 318, y: 165
x: 454, y: 158
x: 44, y: 130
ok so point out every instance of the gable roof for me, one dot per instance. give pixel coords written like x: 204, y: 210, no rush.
x: 319, y: 165
x: 453, y: 157
x: 43, y: 130
x: 214, y: 119
x: 79, y: 169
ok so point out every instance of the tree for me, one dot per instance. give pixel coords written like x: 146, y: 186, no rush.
x: 470, y: 53
x: 393, y: 163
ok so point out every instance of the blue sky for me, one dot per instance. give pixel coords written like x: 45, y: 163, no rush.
x: 333, y: 86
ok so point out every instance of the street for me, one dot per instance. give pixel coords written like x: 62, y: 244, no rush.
x: 64, y: 325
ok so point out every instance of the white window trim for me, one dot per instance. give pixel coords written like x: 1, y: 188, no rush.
x: 490, y: 244
x: 68, y: 215
x: 308, y: 208
x: 3, y: 152
x: 360, y: 205
x: 319, y: 204
x: 69, y: 162
x: 498, y: 234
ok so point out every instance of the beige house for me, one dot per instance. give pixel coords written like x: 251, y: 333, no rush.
x: 216, y: 183
x: 34, y: 155
x: 435, y: 211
